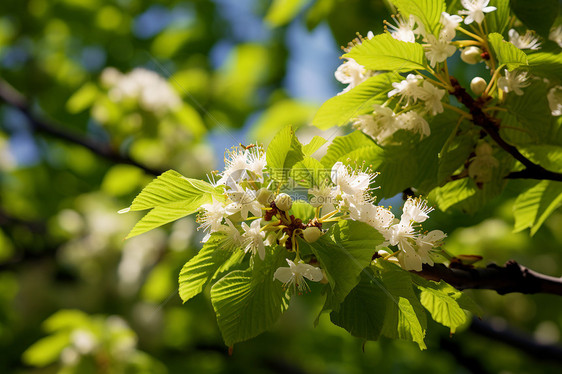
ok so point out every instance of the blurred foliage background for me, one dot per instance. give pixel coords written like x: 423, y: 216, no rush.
x: 170, y: 84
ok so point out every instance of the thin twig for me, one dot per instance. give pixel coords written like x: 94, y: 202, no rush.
x: 13, y: 98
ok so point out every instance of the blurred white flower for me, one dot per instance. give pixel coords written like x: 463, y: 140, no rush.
x: 475, y: 10
x: 554, y: 97
x: 404, y: 29
x: 294, y: 276
x: 527, y: 41
x: 351, y: 73
x: 556, y: 35
x: 253, y: 238
x: 513, y: 81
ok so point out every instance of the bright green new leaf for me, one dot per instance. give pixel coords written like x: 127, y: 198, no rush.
x: 355, y: 146
x: 546, y: 64
x: 315, y: 143
x: 283, y: 152
x: 440, y: 299
x: 173, y: 190
x: 83, y: 98
x: 343, y: 252
x: 533, y: 206
x: 383, y: 52
x: 498, y: 20
x: 309, y: 173
x: 46, y: 350
x: 248, y: 302
x: 404, y: 317
x: 198, y: 272
x: 363, y: 310
x: 281, y: 12
x: 162, y: 215
x: 427, y: 11
x: 507, y: 53
x: 340, y: 109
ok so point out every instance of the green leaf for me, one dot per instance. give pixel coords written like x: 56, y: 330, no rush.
x: 309, y: 173
x: 383, y: 52
x: 66, y: 319
x: 215, y: 255
x: 281, y: 12
x: 355, y: 146
x: 313, y: 145
x: 363, y: 310
x: 46, y: 350
x: 533, y: 206
x: 536, y: 15
x: 404, y: 317
x: 498, y: 20
x: 302, y: 210
x: 162, y: 215
x: 546, y: 155
x: 282, y: 153
x: 343, y: 252
x: 173, y: 190
x: 83, y: 98
x: 507, y: 53
x: 122, y: 179
x: 440, y: 299
x: 452, y: 193
x: 546, y: 64
x: 455, y: 156
x: 248, y: 302
x: 427, y: 11
x: 340, y: 109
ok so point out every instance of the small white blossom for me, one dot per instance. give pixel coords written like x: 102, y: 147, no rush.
x: 380, y: 125
x: 415, y: 209
x: 556, y: 35
x: 554, y: 97
x: 432, y: 97
x: 210, y: 219
x: 294, y: 276
x: 404, y: 29
x: 253, y: 237
x: 351, y: 73
x: 414, y: 122
x: 376, y: 216
x: 527, y: 41
x: 323, y: 196
x: 232, y: 234
x: 438, y: 50
x: 242, y: 164
x: 475, y: 10
x: 450, y: 23
x: 354, y: 186
x: 425, y: 243
x: 243, y: 201
x: 408, y: 88
x: 513, y: 81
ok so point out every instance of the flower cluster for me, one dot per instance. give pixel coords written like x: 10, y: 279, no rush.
x: 254, y: 215
x: 152, y: 92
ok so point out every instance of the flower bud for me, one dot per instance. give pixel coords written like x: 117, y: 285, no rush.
x: 471, y: 55
x: 311, y: 234
x: 265, y: 196
x: 283, y: 202
x: 478, y: 85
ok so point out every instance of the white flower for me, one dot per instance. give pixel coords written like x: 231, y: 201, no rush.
x: 404, y: 29
x: 243, y: 201
x: 450, y: 23
x: 412, y: 121
x: 242, y: 164
x: 252, y: 238
x: 426, y: 243
x: 84, y: 341
x: 376, y: 216
x: 323, y: 196
x: 527, y: 41
x: 232, y: 233
x: 415, y: 209
x: 475, y: 10
x: 351, y: 73
x: 513, y: 81
x: 556, y: 35
x: 294, y: 275
x: 403, y: 235
x: 210, y: 220
x: 354, y: 186
x: 554, y: 97
x: 408, y: 88
x: 432, y: 97
x: 380, y: 125
x: 437, y: 50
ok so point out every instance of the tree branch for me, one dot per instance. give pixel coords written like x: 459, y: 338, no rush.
x: 525, y: 343
x: 512, y: 277
x: 491, y: 127
x: 13, y: 98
